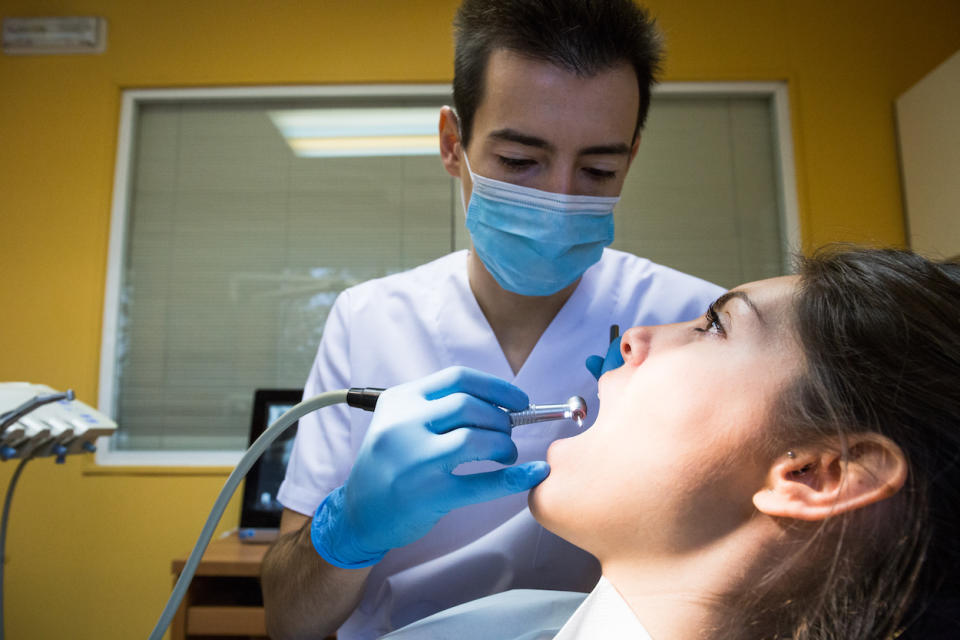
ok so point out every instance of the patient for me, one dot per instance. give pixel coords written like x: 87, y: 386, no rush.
x: 784, y: 467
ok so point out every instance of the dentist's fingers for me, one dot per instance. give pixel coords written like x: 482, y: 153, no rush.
x: 470, y: 444
x: 463, y: 410
x: 476, y: 383
x: 481, y: 487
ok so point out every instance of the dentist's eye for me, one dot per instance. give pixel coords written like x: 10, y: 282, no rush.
x: 599, y: 175
x: 712, y: 323
x: 516, y: 164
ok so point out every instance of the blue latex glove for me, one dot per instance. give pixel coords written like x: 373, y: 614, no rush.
x: 599, y: 366
x: 402, y: 482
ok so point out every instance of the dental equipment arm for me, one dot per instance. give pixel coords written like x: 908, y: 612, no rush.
x: 35, y: 402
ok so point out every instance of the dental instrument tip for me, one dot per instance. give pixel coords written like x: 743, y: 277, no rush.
x: 574, y: 409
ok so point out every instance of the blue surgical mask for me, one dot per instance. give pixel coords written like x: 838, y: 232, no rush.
x: 535, y: 242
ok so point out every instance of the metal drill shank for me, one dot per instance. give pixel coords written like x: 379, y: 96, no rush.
x: 573, y: 409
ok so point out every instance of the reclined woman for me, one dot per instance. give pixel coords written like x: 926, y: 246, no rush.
x: 787, y: 466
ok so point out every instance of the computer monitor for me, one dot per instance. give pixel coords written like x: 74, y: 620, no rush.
x: 260, y: 512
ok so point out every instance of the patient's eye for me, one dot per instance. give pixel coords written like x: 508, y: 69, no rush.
x: 712, y: 323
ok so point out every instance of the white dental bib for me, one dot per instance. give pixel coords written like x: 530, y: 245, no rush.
x: 530, y: 614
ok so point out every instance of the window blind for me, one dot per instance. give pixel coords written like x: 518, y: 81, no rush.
x: 236, y: 246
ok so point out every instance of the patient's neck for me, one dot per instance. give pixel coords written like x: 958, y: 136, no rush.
x: 689, y: 597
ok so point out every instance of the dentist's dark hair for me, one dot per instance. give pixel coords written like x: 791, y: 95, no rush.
x: 582, y: 36
x: 879, y: 330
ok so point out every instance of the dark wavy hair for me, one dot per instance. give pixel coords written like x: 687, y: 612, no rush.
x: 880, y: 333
x: 583, y: 36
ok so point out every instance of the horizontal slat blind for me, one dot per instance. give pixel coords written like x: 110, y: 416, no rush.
x: 236, y: 247
x: 702, y: 193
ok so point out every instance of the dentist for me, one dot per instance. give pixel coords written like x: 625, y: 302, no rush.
x: 378, y: 529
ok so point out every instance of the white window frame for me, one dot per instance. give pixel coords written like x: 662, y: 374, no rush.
x: 776, y: 92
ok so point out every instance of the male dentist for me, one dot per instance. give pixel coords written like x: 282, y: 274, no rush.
x: 379, y: 530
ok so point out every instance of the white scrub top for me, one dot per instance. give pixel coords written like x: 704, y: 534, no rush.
x: 405, y: 326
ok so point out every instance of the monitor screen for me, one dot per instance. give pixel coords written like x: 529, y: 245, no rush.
x: 260, y: 508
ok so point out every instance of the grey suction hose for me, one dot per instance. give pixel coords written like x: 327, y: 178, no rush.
x: 250, y: 457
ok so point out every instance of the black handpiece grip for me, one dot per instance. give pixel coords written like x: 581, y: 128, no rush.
x: 364, y: 397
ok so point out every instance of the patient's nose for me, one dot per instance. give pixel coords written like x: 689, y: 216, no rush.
x: 635, y: 345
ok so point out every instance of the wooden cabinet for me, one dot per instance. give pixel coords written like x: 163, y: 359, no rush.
x: 224, y: 599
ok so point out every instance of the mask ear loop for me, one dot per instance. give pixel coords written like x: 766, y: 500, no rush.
x: 463, y: 197
x: 466, y: 161
x: 463, y: 148
x: 463, y: 152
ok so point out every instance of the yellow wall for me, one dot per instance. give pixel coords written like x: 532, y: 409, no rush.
x: 89, y: 553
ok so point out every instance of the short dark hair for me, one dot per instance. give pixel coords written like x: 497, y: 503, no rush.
x: 583, y: 36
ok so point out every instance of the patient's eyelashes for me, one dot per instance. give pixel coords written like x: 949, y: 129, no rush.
x: 713, y: 324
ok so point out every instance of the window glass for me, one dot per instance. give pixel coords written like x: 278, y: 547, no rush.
x: 237, y: 248
x: 245, y: 219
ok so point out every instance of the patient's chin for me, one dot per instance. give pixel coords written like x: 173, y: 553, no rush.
x: 539, y: 502
x: 554, y: 513
x: 546, y: 500
x: 539, y: 497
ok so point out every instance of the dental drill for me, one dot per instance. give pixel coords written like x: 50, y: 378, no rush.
x: 360, y: 398
x: 575, y: 409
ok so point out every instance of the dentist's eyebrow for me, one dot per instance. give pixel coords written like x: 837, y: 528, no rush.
x: 730, y: 295
x: 512, y: 135
x: 620, y: 149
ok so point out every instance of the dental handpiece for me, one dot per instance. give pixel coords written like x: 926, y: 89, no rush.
x: 575, y: 409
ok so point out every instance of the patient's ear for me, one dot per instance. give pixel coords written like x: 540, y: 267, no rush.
x: 816, y: 483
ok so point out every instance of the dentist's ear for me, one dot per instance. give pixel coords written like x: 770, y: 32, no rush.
x: 450, y: 141
x: 817, y: 483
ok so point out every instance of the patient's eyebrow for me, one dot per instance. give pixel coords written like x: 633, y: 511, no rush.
x: 730, y: 295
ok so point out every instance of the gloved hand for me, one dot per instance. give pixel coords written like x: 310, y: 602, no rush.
x: 599, y: 366
x: 402, y: 482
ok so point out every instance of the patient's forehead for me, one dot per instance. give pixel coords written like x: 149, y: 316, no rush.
x: 771, y: 289
x: 771, y: 301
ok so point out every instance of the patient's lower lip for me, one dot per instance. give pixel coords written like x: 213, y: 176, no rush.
x: 550, y: 449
